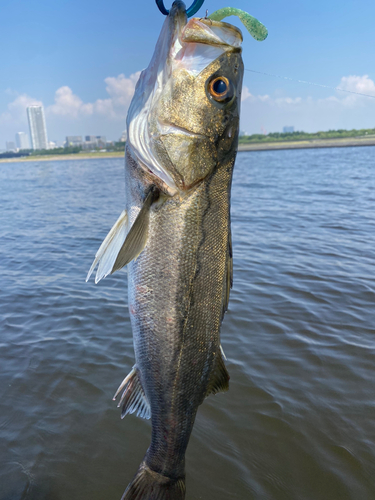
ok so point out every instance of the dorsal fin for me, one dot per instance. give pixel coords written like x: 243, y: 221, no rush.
x: 219, y: 380
x: 133, y: 399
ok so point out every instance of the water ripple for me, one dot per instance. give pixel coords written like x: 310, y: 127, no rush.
x: 297, y: 423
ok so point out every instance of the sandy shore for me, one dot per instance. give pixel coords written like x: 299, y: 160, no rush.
x: 314, y: 143
x: 88, y: 156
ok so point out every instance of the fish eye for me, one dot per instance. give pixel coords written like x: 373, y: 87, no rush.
x: 219, y: 86
x: 220, y: 89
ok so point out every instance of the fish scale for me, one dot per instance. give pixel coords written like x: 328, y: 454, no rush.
x: 174, y: 236
x: 177, y: 329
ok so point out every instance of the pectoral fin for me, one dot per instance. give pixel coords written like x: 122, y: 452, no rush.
x: 119, y: 246
x: 137, y: 236
x: 109, y: 249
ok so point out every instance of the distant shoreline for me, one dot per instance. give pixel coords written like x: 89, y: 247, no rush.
x: 76, y: 156
x: 259, y: 146
x: 308, y: 144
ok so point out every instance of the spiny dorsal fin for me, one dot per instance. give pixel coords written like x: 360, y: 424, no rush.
x: 137, y: 236
x: 109, y: 249
x: 133, y: 399
x: 219, y: 380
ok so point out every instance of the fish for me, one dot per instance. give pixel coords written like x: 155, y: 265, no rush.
x: 174, y: 236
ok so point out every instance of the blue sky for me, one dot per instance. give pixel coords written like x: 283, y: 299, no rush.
x: 80, y: 59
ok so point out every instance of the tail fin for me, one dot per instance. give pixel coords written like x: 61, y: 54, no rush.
x: 149, y: 485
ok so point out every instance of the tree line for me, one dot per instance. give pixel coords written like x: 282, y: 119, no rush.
x: 302, y: 136
x: 70, y: 150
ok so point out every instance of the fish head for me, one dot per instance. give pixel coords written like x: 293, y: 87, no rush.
x: 184, y: 117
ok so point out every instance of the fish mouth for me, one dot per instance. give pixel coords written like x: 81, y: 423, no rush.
x: 190, y: 46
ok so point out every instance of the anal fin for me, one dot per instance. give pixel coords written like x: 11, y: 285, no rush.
x: 133, y: 399
x: 219, y: 380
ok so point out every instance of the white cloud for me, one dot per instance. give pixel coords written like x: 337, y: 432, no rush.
x: 16, y: 110
x: 282, y: 101
x: 264, y: 98
x: 70, y: 114
x: 245, y: 93
x: 69, y: 104
x: 361, y: 84
x: 333, y: 112
x: 120, y: 90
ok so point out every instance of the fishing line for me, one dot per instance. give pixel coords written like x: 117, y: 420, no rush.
x: 309, y: 83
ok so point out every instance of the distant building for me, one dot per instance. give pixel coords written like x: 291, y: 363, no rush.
x: 73, y: 140
x: 37, y: 124
x: 101, y: 141
x: 11, y: 146
x: 288, y: 130
x: 22, y: 141
x: 94, y: 142
x: 124, y: 136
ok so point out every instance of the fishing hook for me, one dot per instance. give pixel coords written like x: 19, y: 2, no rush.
x: 193, y: 9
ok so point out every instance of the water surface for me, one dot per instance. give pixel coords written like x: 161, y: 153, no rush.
x: 298, y: 422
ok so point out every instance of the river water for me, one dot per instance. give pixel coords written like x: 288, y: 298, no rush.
x: 298, y: 422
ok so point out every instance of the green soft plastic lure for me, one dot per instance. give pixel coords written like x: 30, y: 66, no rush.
x: 256, y: 29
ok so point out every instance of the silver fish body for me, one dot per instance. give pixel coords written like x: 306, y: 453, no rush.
x: 178, y: 290
x: 175, y: 237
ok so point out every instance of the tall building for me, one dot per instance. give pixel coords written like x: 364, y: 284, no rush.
x: 22, y: 140
x: 37, y: 124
